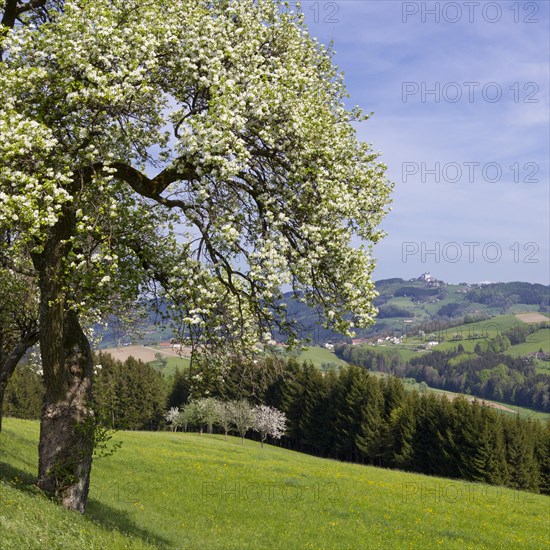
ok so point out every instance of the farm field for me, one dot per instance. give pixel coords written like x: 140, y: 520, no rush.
x: 487, y: 329
x: 468, y: 345
x: 147, y: 355
x: 173, y: 363
x: 143, y: 353
x: 405, y: 352
x: 532, y: 317
x: 473, y: 333
x: 315, y: 354
x: 175, y: 490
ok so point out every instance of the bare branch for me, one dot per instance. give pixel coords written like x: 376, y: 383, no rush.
x: 14, y: 9
x: 143, y: 185
x: 10, y: 14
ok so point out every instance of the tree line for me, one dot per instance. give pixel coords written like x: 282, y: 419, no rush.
x: 236, y: 415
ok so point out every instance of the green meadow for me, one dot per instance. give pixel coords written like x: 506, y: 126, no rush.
x: 176, y: 490
x: 319, y: 356
x: 483, y: 329
x: 474, y: 332
x: 172, y: 363
x: 406, y: 351
x: 316, y: 355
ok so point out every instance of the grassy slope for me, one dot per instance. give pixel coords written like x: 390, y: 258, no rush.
x: 315, y: 354
x: 536, y: 341
x: 173, y: 363
x: 405, y: 352
x: 487, y: 329
x: 187, y: 491
x: 318, y: 355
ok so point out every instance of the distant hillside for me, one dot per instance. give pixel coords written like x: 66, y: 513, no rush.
x: 401, y: 304
x: 416, y: 302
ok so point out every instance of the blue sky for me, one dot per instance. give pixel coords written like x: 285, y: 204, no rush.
x: 483, y: 131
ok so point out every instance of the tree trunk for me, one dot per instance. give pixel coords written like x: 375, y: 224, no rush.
x: 66, y: 430
x: 67, y: 424
x: 8, y: 364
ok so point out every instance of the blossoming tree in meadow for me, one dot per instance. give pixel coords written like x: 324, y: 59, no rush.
x: 171, y: 417
x: 243, y: 417
x: 197, y: 151
x: 269, y: 422
x: 224, y: 417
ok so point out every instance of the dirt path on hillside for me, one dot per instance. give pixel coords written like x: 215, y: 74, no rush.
x: 483, y: 402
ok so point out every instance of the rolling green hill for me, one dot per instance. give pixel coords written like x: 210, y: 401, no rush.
x: 175, y: 490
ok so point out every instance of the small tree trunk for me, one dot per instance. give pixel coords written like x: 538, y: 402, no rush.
x: 28, y: 338
x: 242, y: 441
x: 2, y: 391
